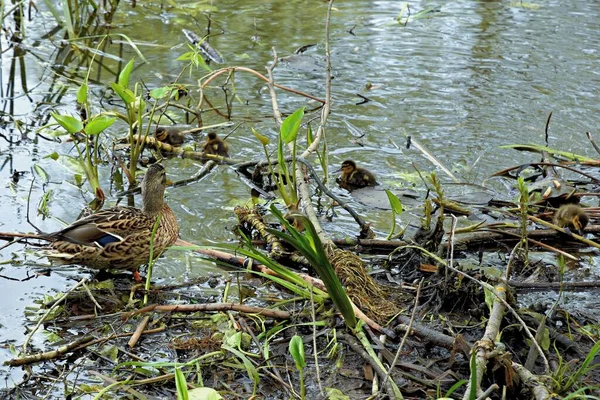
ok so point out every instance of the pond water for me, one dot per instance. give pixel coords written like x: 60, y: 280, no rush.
x: 473, y: 76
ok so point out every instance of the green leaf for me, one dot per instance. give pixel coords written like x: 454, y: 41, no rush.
x: 82, y: 94
x: 181, y: 385
x: 489, y: 298
x: 395, y: 202
x: 72, y: 163
x: 263, y: 139
x: 310, y: 246
x: 125, y: 74
x: 204, y: 393
x: 71, y: 124
x: 250, y: 369
x: 473, y: 382
x: 111, y: 352
x: 545, y: 342
x: 54, y: 155
x: 291, y: 125
x: 335, y: 394
x: 41, y: 172
x: 296, y: 348
x: 98, y: 124
x: 161, y: 92
x: 309, y: 135
x: 124, y: 93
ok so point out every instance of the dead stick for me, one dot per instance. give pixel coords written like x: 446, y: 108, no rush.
x: 49, y: 355
x: 138, y: 332
x: 278, y: 314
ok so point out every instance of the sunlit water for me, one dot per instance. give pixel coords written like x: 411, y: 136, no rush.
x: 472, y: 77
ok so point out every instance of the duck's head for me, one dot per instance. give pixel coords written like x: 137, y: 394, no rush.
x: 211, y: 136
x: 161, y: 133
x: 348, y: 167
x: 170, y: 136
x: 153, y: 189
x: 580, y: 220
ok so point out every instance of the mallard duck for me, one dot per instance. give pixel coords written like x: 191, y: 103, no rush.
x: 119, y: 237
x: 172, y: 136
x: 571, y: 216
x: 354, y: 177
x: 215, y: 146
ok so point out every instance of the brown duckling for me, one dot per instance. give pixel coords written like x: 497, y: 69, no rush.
x: 354, y: 177
x: 119, y: 237
x: 215, y: 146
x: 172, y: 136
x: 571, y: 216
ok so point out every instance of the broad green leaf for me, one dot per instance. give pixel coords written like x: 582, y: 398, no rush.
x: 186, y: 56
x: 181, y: 385
x: 335, y: 394
x: 98, y: 124
x: 82, y: 93
x: 263, y: 139
x: 124, y: 93
x: 161, y: 92
x: 545, y: 342
x: 125, y: 75
x: 395, y: 202
x: 41, y: 172
x: 72, y: 163
x: 204, y: 393
x: 296, y: 348
x: 291, y: 125
x: 71, y: 124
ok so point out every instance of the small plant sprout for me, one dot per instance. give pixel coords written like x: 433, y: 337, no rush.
x: 297, y: 351
x: 396, y: 205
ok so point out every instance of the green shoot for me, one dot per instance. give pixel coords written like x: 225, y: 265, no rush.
x: 296, y: 348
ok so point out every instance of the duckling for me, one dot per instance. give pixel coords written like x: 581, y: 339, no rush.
x: 354, y: 177
x: 172, y: 136
x: 215, y: 146
x: 119, y: 237
x: 571, y: 216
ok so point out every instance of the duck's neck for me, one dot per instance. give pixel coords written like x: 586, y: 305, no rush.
x: 150, y: 205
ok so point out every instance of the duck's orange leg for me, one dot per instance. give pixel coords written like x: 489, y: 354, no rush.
x: 136, y: 276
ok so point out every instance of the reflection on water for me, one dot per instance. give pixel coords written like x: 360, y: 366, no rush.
x: 472, y: 77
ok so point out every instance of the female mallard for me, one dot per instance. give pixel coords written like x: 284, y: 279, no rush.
x: 120, y: 237
x: 354, y: 177
x: 215, y: 146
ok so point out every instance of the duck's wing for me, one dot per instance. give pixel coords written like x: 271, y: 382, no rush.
x: 104, y: 227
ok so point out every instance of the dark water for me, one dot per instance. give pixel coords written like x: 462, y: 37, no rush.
x: 472, y: 77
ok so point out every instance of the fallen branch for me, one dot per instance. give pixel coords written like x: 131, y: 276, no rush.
x: 277, y: 314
